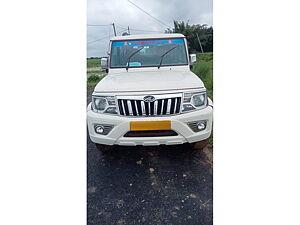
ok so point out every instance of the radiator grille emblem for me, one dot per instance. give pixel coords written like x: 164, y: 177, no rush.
x: 149, y: 98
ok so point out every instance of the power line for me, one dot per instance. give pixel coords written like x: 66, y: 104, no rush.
x: 146, y: 30
x: 149, y: 14
x: 139, y: 29
x: 89, y: 42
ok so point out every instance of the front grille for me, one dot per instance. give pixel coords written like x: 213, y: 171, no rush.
x: 151, y: 133
x: 136, y: 106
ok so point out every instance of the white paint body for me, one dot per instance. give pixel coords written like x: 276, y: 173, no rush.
x: 149, y: 81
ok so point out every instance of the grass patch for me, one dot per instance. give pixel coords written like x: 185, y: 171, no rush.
x: 94, y: 75
x: 204, y: 69
x: 93, y: 80
x: 93, y: 63
x: 97, y: 72
x: 207, y: 57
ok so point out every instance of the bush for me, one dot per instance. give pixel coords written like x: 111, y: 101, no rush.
x: 204, y: 69
x: 93, y: 63
x: 205, y: 57
x: 93, y: 78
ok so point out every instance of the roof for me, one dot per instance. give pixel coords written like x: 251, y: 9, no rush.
x: 147, y: 36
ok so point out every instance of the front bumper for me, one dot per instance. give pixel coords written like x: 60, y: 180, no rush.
x: 121, y: 125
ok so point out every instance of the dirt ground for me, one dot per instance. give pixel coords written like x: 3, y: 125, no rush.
x: 149, y: 185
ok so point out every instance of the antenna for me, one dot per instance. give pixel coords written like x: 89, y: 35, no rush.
x: 113, y: 24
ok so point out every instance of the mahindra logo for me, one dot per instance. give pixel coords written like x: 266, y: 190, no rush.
x: 149, y: 98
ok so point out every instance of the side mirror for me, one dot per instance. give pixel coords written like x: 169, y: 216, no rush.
x: 104, y: 63
x: 193, y: 58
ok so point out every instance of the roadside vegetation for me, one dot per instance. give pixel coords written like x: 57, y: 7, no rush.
x: 195, y: 33
x: 93, y: 63
x: 93, y: 80
x: 94, y: 72
x: 204, y: 69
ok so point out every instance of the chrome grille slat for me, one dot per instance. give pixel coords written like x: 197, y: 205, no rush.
x: 155, y: 108
x: 136, y: 108
x: 143, y: 108
x: 129, y: 107
x: 149, y: 108
x: 168, y: 106
x: 125, y: 107
x: 162, y: 105
x: 139, y: 107
x: 120, y: 107
x: 175, y: 103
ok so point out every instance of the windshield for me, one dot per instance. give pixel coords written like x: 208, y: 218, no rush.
x: 148, y: 53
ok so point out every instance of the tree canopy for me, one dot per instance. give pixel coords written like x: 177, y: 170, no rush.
x: 205, y: 34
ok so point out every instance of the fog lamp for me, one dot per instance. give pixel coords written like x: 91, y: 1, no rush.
x: 201, y: 125
x: 99, y: 129
x: 103, y: 129
x: 197, y: 126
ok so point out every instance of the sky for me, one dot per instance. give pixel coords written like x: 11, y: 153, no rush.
x: 124, y: 14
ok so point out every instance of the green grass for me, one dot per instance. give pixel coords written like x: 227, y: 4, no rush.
x: 97, y: 72
x: 94, y: 76
x: 204, y: 69
x: 93, y: 63
x: 93, y: 80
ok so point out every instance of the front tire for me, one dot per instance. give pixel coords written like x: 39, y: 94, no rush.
x: 104, y: 148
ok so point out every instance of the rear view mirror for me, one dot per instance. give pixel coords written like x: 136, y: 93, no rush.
x: 193, y: 58
x: 104, y: 63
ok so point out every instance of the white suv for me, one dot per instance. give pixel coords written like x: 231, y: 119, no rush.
x: 149, y: 95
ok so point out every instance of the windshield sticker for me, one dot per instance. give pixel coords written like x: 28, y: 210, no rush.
x: 134, y: 64
x: 147, y: 42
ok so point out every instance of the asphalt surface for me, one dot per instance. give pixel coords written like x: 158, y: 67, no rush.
x: 149, y: 185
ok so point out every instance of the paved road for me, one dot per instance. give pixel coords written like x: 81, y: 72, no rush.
x: 149, y: 185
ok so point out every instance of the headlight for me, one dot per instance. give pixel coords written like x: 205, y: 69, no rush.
x: 104, y: 104
x: 198, y: 100
x: 194, y: 100
x: 100, y: 104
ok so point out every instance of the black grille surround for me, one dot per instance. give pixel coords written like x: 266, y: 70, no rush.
x: 151, y: 133
x: 135, y: 106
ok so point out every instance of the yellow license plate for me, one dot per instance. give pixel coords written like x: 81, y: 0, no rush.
x: 150, y: 125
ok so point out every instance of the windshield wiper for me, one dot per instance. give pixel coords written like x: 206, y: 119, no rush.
x: 132, y: 54
x: 162, y: 56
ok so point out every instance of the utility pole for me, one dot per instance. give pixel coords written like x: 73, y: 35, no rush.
x: 113, y: 24
x: 128, y: 30
x: 199, y: 43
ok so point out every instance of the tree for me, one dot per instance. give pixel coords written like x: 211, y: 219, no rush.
x: 204, y: 32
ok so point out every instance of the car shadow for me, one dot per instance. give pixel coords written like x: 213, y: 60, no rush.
x: 163, y: 154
